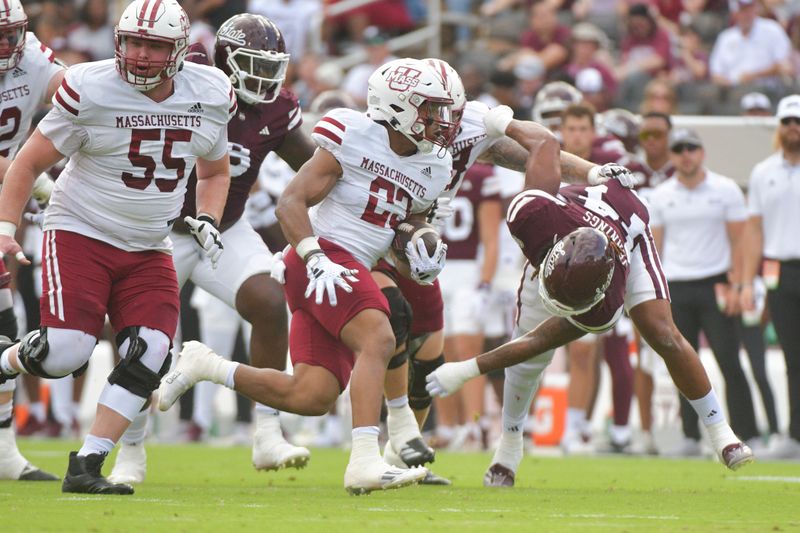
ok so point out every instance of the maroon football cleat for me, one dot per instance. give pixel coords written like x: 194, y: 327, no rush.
x: 498, y: 476
x: 735, y: 456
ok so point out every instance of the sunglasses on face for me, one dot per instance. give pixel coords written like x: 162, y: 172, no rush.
x: 679, y: 148
x: 653, y: 134
x: 790, y: 120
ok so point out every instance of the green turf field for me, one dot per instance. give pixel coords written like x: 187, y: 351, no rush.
x: 199, y: 488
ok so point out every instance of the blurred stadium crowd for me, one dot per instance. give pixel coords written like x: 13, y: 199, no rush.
x: 653, y: 59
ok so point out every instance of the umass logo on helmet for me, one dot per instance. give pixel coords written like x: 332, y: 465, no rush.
x: 403, y: 78
x: 234, y: 35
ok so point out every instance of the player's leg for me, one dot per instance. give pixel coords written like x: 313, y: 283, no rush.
x: 582, y: 355
x: 616, y: 353
x: 12, y: 464
x: 653, y: 318
x: 405, y: 439
x: 130, y: 464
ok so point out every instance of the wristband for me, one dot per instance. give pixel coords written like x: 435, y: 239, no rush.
x: 308, y: 246
x: 9, y: 229
x: 205, y: 217
x: 594, y: 175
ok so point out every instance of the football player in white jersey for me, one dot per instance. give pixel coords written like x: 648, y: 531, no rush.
x: 371, y: 172
x: 29, y: 76
x: 250, y: 49
x: 133, y: 127
x: 490, y: 135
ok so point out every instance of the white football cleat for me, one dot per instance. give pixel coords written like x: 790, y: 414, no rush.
x: 13, y: 465
x: 362, y: 477
x: 272, y: 452
x: 130, y: 465
x: 196, y: 362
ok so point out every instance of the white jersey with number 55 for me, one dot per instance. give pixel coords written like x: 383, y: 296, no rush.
x: 130, y: 157
x: 378, y: 188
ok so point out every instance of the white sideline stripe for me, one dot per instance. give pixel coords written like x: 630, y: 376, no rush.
x: 616, y: 516
x: 779, y: 479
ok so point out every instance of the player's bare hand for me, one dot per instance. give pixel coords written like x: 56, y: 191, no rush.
x: 424, y: 268
x: 450, y: 377
x: 324, y: 276
x: 207, y: 236
x: 8, y: 246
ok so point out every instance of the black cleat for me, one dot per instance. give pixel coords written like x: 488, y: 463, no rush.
x: 498, y: 476
x: 433, y: 479
x: 33, y: 473
x: 84, y: 477
x: 416, y: 453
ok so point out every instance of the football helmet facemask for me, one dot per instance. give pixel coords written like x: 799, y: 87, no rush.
x: 411, y: 97
x: 251, y: 50
x: 157, y: 20
x: 575, y: 274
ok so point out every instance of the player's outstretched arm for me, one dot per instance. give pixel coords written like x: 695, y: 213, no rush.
x: 550, y: 334
x: 213, y: 182
x: 297, y: 148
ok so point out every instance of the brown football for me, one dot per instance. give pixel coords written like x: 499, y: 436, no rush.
x: 411, y: 230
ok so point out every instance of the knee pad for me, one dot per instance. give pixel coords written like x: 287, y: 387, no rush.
x: 398, y: 360
x: 418, y: 396
x: 74, y: 347
x: 8, y: 323
x: 131, y: 373
x: 401, y: 314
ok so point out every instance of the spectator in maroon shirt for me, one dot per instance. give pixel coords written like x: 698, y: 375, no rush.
x: 545, y: 38
x: 646, y: 53
x: 589, y: 50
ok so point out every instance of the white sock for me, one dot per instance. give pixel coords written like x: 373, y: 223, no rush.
x: 94, y: 444
x: 6, y: 410
x: 509, y: 450
x: 575, y: 418
x: 400, y: 401
x: 137, y: 431
x: 37, y: 411
x: 517, y: 398
x: 620, y: 434
x: 365, y: 444
x: 266, y: 410
x: 708, y: 408
x: 5, y: 364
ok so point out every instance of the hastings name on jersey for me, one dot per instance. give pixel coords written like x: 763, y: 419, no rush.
x: 22, y: 91
x: 378, y: 188
x: 130, y: 157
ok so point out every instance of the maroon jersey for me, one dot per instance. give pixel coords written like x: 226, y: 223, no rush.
x: 260, y: 129
x: 537, y: 220
x: 461, y: 232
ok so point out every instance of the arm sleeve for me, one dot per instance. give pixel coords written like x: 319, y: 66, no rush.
x: 220, y: 147
x: 63, y: 124
x: 329, y: 132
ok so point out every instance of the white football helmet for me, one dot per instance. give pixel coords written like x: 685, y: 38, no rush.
x: 410, y: 96
x: 552, y: 100
x: 452, y: 80
x: 159, y: 20
x: 13, y: 25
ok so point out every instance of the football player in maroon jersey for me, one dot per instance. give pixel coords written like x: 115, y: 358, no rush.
x: 591, y: 255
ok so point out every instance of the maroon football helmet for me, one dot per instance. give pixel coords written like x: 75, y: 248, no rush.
x: 576, y: 272
x: 251, y: 50
x: 623, y: 125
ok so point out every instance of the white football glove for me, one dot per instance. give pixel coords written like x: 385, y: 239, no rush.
x: 441, y: 210
x: 207, y: 236
x: 424, y: 268
x: 496, y: 121
x: 612, y: 171
x: 324, y: 276
x: 450, y: 377
x: 240, y: 159
x: 278, y: 269
x: 42, y: 188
